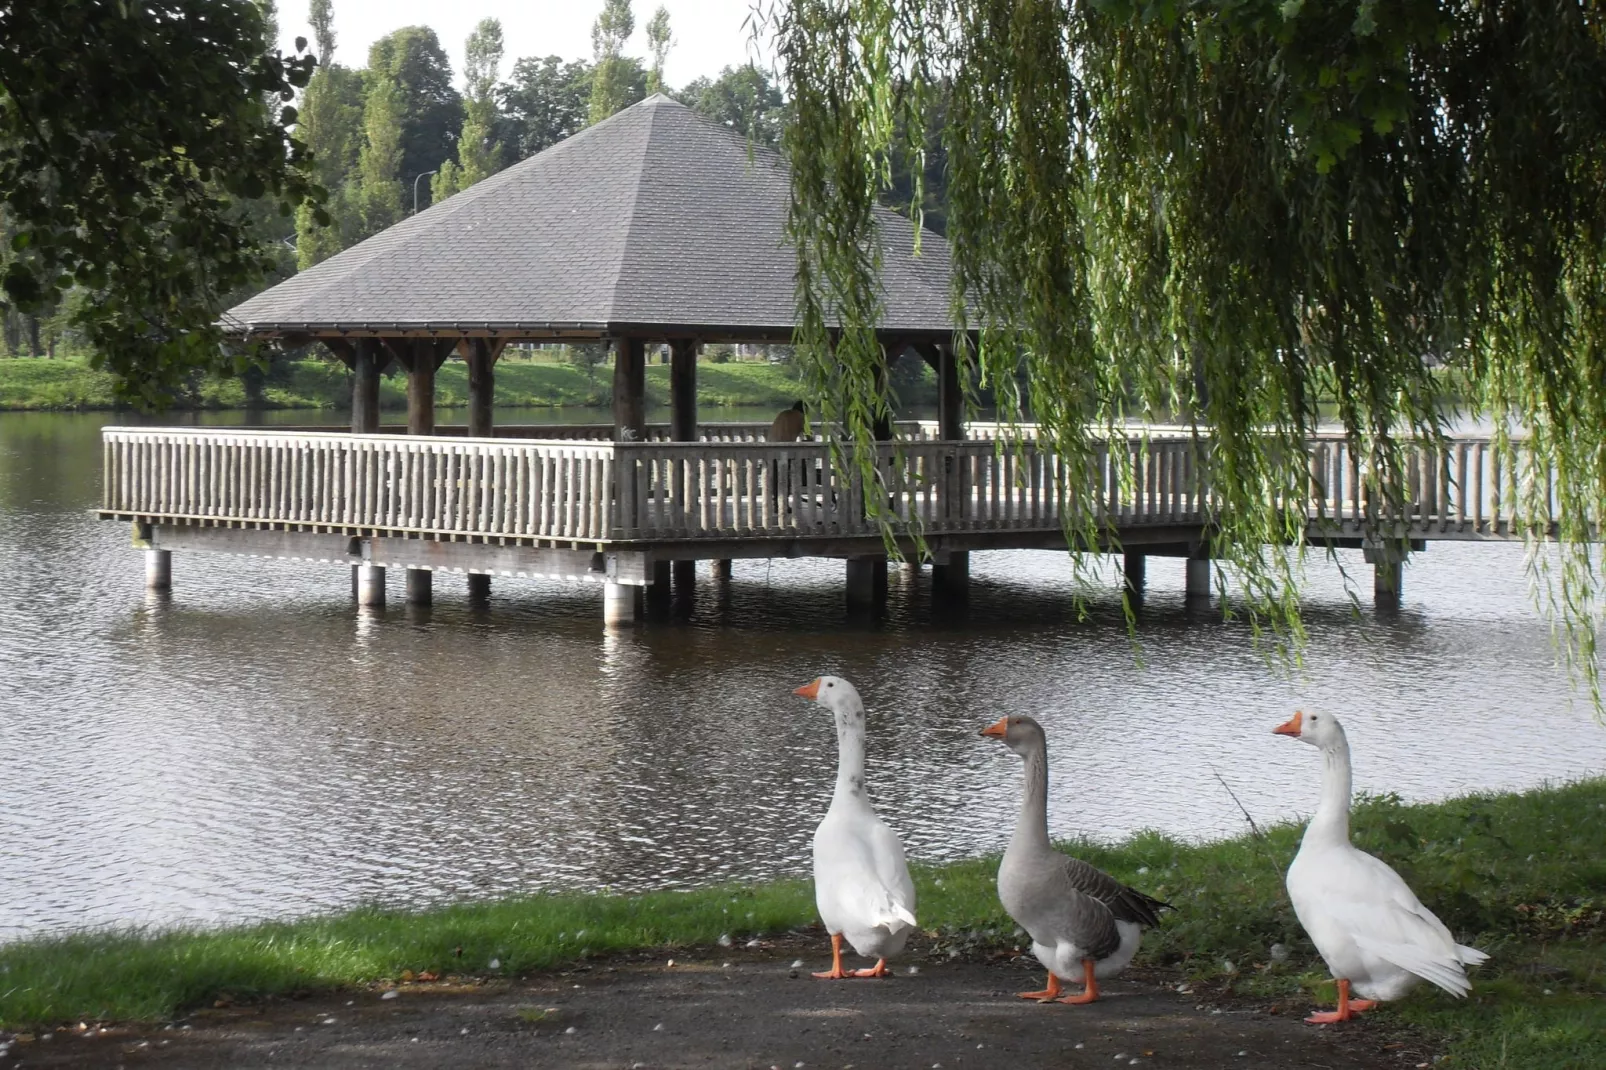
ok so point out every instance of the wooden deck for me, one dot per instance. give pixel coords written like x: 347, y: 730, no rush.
x: 600, y: 496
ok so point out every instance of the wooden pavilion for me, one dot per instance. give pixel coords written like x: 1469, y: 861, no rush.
x: 658, y: 226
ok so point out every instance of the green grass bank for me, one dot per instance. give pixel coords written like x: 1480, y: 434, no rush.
x: 1522, y: 876
x: 69, y: 384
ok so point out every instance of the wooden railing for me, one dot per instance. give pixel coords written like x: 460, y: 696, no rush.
x: 587, y: 491
x: 425, y: 486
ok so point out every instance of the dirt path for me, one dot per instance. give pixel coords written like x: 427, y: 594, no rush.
x: 742, y: 1009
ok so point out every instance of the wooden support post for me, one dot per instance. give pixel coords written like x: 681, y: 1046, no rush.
x: 1388, y: 583
x: 158, y: 569
x: 1135, y: 572
x: 420, y: 388
x: 658, y: 592
x: 479, y: 586
x: 480, y: 354
x: 619, y: 603
x: 891, y: 350
x: 420, y: 587
x: 370, y: 585
x: 950, y: 398
x: 1197, y: 587
x: 683, y: 390
x: 867, y: 581
x: 629, y: 390
x: 950, y: 574
x: 1388, y: 571
x: 368, y: 359
x: 683, y: 428
x: 421, y: 357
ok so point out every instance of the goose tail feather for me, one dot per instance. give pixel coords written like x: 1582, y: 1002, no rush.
x: 1436, y: 969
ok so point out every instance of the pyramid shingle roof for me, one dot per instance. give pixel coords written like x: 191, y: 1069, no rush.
x: 655, y: 218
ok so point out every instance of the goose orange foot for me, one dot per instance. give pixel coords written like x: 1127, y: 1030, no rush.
x: 878, y: 970
x: 1051, y: 992
x: 1055, y: 994
x: 836, y: 972
x: 1090, y: 987
x: 1347, y: 1008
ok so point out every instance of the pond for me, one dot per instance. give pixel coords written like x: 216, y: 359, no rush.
x: 255, y: 746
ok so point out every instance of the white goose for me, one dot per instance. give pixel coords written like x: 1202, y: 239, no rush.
x: 1374, y: 934
x: 1083, y: 922
x: 861, y: 881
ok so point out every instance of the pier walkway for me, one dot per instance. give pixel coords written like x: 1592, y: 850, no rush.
x: 620, y: 513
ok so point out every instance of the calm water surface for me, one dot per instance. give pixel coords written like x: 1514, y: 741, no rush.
x: 255, y: 746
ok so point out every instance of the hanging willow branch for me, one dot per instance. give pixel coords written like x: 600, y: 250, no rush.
x: 1246, y: 215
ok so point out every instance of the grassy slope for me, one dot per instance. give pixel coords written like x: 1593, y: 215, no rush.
x: 29, y: 383
x: 1521, y: 876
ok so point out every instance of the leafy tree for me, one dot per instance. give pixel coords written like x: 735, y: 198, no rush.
x: 543, y: 102
x: 479, y: 150
x: 659, y: 44
x: 322, y: 16
x: 381, y: 156
x: 431, y: 109
x: 742, y: 98
x: 331, y: 124
x: 612, y: 76
x: 1234, y: 214
x: 129, y: 137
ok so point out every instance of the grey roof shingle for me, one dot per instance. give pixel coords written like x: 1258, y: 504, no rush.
x: 656, y: 216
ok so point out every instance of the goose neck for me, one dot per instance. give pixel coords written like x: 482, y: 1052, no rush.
x: 1330, y: 824
x: 1031, y: 825
x: 850, y: 754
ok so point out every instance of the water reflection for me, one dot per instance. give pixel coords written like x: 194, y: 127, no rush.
x: 254, y: 744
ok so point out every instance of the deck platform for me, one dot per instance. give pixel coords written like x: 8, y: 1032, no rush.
x: 619, y: 513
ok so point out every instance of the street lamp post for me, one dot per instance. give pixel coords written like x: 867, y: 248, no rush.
x: 425, y: 174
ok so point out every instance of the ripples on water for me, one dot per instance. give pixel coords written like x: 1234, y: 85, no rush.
x: 255, y: 746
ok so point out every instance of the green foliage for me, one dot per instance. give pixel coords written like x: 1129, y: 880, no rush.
x: 316, y: 384
x: 379, y: 162
x: 130, y: 140
x: 618, y: 81
x: 743, y: 99
x: 430, y: 109
x: 1222, y: 212
x: 331, y: 124
x: 479, y: 151
x: 658, y: 43
x: 544, y: 101
x: 321, y: 15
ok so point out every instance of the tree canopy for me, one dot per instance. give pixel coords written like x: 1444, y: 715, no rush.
x: 1246, y: 215
x: 431, y: 108
x: 132, y: 140
x: 743, y: 99
x: 545, y: 101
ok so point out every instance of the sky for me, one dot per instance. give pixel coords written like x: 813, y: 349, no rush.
x: 709, y: 35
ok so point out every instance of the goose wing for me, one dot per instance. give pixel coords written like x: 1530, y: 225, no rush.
x: 1385, y: 917
x: 893, y: 869
x: 1124, y: 903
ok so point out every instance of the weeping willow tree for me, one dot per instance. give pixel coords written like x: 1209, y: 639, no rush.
x: 1236, y: 214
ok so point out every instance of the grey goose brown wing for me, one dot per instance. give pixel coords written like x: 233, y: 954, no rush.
x: 1126, y: 904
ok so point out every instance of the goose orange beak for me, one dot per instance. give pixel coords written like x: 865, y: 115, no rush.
x: 997, y: 728
x: 810, y: 690
x: 1290, y: 727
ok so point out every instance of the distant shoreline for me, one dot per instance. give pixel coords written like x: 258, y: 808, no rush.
x: 38, y: 384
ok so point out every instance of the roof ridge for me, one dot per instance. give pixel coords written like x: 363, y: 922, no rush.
x: 634, y: 210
